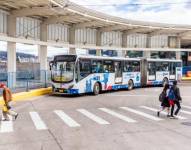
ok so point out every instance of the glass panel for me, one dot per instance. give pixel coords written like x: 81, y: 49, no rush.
x: 118, y: 69
x: 151, y: 68
x: 63, y: 71
x: 85, y: 68
x: 132, y: 66
x: 108, y: 66
x: 97, y: 66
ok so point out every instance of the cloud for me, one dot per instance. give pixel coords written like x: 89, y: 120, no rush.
x: 163, y: 11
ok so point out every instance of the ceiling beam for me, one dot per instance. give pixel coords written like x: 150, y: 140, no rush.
x: 57, y: 19
x: 135, y: 30
x: 112, y: 28
x: 185, y: 33
x: 30, y: 11
x: 85, y: 24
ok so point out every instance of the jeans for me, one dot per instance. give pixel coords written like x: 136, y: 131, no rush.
x: 177, y: 103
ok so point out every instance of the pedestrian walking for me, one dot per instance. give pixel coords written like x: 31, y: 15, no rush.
x: 171, y: 99
x: 177, y: 100
x: 163, y: 98
x: 7, y: 109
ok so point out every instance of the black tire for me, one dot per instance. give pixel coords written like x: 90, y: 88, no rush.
x: 96, y: 89
x: 165, y: 81
x: 130, y: 85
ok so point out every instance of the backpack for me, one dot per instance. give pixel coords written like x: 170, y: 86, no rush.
x: 162, y: 96
x: 171, y: 94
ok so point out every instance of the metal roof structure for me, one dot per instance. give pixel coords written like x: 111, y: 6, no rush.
x: 68, y: 13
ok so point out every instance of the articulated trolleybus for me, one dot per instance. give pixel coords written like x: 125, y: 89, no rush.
x: 72, y: 74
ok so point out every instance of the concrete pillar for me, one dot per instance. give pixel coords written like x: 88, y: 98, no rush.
x: 72, y: 51
x: 148, y: 42
x: 42, y: 54
x: 124, y: 39
x: 178, y: 55
x: 98, y: 52
x: 124, y: 45
x: 11, y: 52
x: 146, y: 54
x: 98, y: 42
x: 121, y: 53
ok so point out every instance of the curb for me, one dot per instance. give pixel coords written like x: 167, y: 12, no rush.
x: 23, y: 96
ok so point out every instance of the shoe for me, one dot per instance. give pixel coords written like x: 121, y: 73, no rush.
x: 172, y: 117
x: 158, y: 113
x: 5, y: 120
x: 168, y: 116
x: 16, y: 116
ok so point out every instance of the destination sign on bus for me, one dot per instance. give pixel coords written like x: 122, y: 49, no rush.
x: 65, y: 58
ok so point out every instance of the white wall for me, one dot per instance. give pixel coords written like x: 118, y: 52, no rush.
x: 111, y: 39
x: 159, y: 41
x: 58, y: 32
x: 137, y: 40
x: 85, y: 36
x: 3, y: 22
x: 28, y: 28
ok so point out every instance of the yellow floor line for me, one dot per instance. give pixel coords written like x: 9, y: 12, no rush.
x: 27, y: 95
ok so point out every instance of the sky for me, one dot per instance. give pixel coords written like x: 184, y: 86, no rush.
x: 163, y: 11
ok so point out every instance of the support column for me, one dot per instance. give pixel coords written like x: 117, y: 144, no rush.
x: 42, y: 54
x: 178, y: 55
x: 124, y: 45
x: 11, y: 52
x: 72, y: 51
x: 146, y: 54
x: 121, y: 53
x: 98, y: 42
x: 178, y: 44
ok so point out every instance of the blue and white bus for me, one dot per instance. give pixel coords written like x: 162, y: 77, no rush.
x: 72, y: 74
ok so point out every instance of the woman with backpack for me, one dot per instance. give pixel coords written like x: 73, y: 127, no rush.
x: 163, y: 98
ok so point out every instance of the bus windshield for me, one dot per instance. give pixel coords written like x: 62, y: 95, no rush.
x: 63, y: 71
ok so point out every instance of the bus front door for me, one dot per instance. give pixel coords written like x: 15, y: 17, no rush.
x: 118, y: 72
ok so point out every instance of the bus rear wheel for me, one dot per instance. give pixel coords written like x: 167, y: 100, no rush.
x: 96, y: 89
x: 165, y: 81
x: 130, y: 85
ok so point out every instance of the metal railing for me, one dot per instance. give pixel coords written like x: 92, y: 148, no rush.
x: 26, y: 80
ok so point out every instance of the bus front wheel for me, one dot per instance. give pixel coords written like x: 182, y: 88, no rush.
x: 96, y: 89
x: 130, y: 85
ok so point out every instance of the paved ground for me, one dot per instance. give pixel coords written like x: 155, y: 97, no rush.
x: 124, y: 120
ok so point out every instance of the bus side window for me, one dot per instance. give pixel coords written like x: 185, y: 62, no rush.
x: 135, y: 66
x: 85, y: 68
x: 172, y: 68
x: 97, y: 66
x: 128, y: 66
x: 108, y: 66
x: 151, y: 68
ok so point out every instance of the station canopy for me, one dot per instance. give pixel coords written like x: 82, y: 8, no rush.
x: 69, y: 13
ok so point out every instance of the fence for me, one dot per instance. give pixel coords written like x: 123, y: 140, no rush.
x: 26, y: 80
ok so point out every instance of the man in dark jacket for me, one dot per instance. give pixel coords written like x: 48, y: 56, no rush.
x: 178, y: 99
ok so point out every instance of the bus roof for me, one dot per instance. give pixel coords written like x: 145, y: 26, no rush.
x: 107, y: 57
x: 121, y: 58
x: 164, y: 60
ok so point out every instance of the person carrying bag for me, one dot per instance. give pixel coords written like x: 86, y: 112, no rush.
x: 7, y: 97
